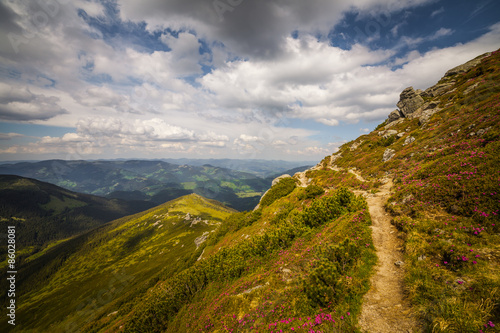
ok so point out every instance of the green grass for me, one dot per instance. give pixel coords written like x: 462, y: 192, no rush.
x: 58, y: 206
x: 114, y: 264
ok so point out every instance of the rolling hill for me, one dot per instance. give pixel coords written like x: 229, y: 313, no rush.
x: 113, y: 264
x: 45, y: 213
x: 155, y: 181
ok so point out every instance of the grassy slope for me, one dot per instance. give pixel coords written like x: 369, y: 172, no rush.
x: 83, y: 279
x: 289, y: 251
x: 446, y: 201
x: 45, y: 213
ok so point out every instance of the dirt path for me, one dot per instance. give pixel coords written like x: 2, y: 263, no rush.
x: 384, y: 307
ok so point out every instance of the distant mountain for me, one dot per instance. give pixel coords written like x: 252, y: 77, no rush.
x: 44, y: 213
x: 156, y: 181
x: 261, y: 168
x: 290, y: 172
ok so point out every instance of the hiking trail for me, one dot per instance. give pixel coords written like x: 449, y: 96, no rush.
x: 385, y: 309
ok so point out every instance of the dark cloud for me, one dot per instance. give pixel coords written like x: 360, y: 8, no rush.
x: 19, y: 104
x: 249, y: 28
x: 253, y: 28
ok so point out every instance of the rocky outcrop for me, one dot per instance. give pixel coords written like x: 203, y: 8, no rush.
x: 438, y: 89
x: 464, y: 68
x: 355, y: 145
x: 426, y: 115
x: 199, y: 240
x: 409, y: 101
x: 388, y: 154
x: 412, y: 104
x: 394, y: 115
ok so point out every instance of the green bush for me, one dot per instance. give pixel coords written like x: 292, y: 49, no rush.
x: 311, y: 191
x: 324, y: 284
x: 283, y: 188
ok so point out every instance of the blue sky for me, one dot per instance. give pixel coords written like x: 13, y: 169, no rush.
x: 278, y: 79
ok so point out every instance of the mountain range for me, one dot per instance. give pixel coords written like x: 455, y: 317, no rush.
x: 156, y: 181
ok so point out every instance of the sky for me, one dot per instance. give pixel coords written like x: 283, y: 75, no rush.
x: 246, y: 79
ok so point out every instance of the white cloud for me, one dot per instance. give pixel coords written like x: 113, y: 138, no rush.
x: 8, y: 136
x: 18, y: 103
x: 121, y: 97
x: 442, y: 32
x: 437, y: 12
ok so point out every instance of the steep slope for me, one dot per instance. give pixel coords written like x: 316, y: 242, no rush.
x: 301, y: 261
x: 44, y: 213
x: 156, y: 181
x: 93, y: 275
x: 441, y: 151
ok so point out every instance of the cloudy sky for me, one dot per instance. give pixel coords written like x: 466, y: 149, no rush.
x: 271, y: 79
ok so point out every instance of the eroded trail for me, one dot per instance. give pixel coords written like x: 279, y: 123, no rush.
x: 384, y: 306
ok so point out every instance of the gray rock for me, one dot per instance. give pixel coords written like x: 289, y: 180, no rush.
x: 438, y: 89
x: 471, y: 88
x: 408, y: 140
x: 426, y: 115
x: 199, y: 240
x: 483, y: 130
x: 399, y: 263
x: 388, y: 154
x: 408, y: 198
x: 394, y: 115
x: 400, y: 135
x: 422, y: 257
x: 409, y: 101
x: 355, y: 145
x: 389, y: 133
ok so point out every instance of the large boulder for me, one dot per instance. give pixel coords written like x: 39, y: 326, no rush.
x: 394, y: 115
x: 409, y: 101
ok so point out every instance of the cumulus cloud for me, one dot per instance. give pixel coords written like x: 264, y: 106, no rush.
x: 217, y: 80
x: 20, y: 104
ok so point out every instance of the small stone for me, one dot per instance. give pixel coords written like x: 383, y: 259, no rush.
x: 399, y: 263
x: 422, y: 257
